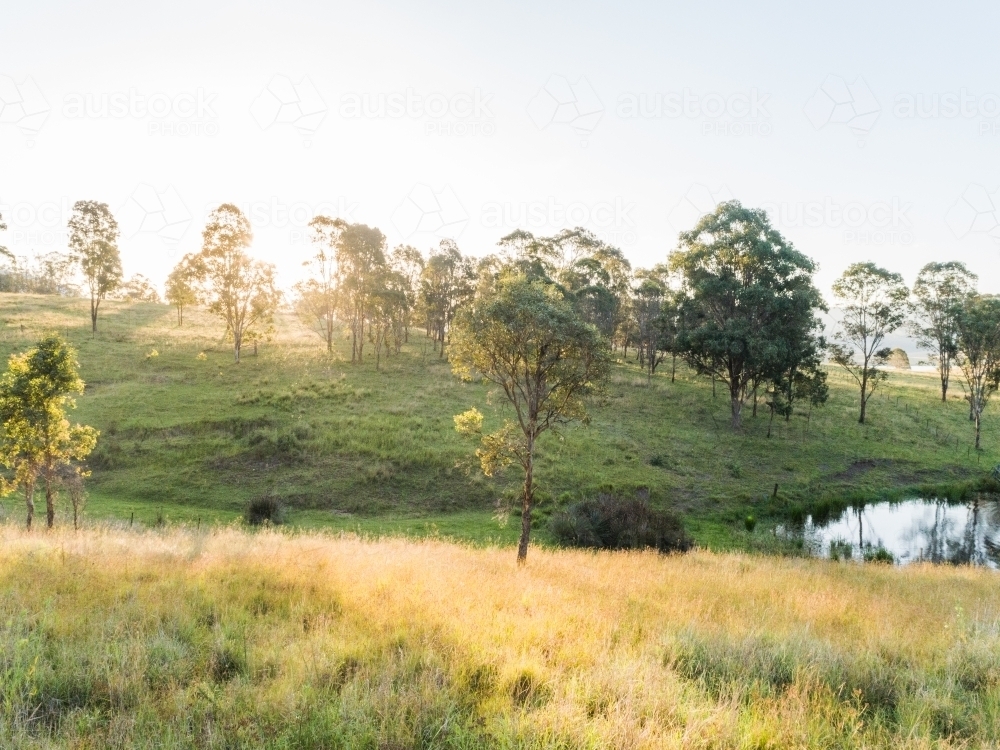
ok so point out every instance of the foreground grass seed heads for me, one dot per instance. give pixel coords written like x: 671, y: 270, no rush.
x: 182, y: 638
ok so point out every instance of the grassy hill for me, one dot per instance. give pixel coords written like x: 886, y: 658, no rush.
x: 186, y: 435
x: 222, y: 639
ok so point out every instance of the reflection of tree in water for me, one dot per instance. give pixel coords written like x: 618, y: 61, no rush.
x: 946, y: 539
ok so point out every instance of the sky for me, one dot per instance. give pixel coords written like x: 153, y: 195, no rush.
x: 868, y: 131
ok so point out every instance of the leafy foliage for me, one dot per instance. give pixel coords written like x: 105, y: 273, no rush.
x: 239, y: 289
x: 875, y: 304
x: 610, y: 522
x: 523, y: 336
x: 748, y: 305
x: 37, y: 442
x: 93, y: 241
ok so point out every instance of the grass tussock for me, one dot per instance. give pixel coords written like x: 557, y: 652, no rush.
x: 191, y: 639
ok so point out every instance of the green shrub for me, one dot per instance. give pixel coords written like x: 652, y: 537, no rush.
x: 267, y: 508
x: 879, y: 555
x: 609, y: 522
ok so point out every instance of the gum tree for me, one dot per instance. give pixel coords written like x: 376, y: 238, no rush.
x: 940, y: 291
x: 37, y: 442
x: 361, y: 262
x: 318, y: 294
x: 239, y: 289
x: 93, y: 242
x: 524, y: 336
x: 978, y: 348
x: 745, y: 290
x: 875, y: 304
x: 181, y: 287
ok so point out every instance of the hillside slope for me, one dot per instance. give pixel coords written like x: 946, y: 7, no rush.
x: 187, y: 434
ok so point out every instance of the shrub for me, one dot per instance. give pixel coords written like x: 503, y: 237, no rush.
x: 750, y: 522
x: 266, y: 508
x: 609, y: 522
x: 879, y: 555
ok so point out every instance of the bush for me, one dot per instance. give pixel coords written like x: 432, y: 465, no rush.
x: 879, y: 555
x: 263, y: 509
x: 609, y: 522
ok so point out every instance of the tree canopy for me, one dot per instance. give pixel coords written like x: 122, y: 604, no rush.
x: 524, y: 336
x: 748, y: 304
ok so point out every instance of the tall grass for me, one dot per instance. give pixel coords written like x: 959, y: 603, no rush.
x: 219, y: 638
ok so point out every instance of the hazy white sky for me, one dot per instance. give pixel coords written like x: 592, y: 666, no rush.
x: 870, y: 130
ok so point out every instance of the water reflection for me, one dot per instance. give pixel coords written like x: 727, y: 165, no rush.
x: 914, y: 530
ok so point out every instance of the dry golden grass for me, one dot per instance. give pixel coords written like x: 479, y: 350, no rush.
x: 220, y: 638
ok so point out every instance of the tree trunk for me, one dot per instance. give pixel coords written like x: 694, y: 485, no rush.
x: 93, y: 316
x: 237, y: 345
x: 673, y: 368
x: 944, y: 383
x: 770, y: 422
x: 526, y: 503
x: 736, y: 406
x: 864, y: 392
x: 978, y: 423
x: 29, y: 498
x: 50, y: 506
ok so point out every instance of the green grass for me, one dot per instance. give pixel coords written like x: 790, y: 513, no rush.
x: 189, y: 438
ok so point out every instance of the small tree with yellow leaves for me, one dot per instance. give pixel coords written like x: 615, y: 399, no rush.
x: 37, y: 442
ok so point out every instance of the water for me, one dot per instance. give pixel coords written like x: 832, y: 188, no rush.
x: 913, y: 531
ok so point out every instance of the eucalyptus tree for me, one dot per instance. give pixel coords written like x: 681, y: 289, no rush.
x: 3, y: 250
x: 744, y: 291
x: 181, y: 288
x: 409, y: 263
x: 138, y: 288
x: 940, y: 291
x: 239, y: 289
x: 978, y: 348
x: 361, y: 262
x: 653, y: 308
x: 318, y: 295
x: 875, y: 303
x: 93, y: 242
x: 525, y: 337
x: 447, y: 282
